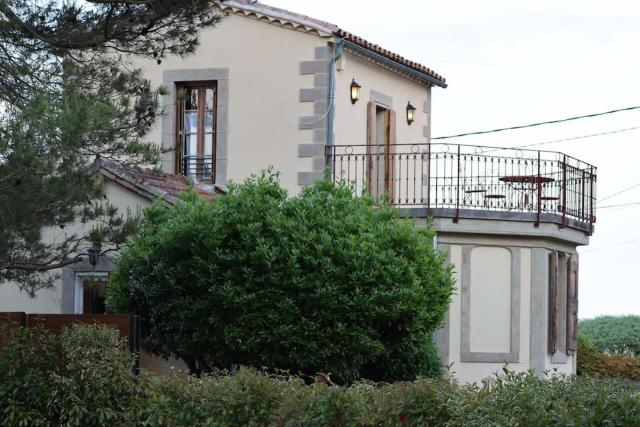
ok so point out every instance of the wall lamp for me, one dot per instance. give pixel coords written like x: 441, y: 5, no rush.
x: 355, y: 91
x: 411, y: 113
x: 94, y: 253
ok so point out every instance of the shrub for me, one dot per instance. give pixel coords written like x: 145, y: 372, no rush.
x: 81, y: 377
x: 616, y: 335
x: 253, y: 399
x: 94, y: 381
x: 249, y: 398
x: 523, y: 399
x: 591, y: 362
x: 320, y: 282
x: 27, y: 359
x: 243, y: 399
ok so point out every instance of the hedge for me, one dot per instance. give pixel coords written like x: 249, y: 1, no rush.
x: 614, y: 335
x: 83, y: 378
x: 593, y: 362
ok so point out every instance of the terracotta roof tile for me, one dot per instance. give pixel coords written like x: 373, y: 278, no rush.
x: 153, y: 184
x: 388, y: 54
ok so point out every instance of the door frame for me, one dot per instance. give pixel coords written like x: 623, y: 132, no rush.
x: 78, y: 301
x: 388, y: 151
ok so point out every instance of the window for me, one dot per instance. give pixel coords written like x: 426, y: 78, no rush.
x: 196, y: 130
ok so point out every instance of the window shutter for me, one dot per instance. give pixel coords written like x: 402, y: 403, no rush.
x: 563, y: 302
x: 572, y: 304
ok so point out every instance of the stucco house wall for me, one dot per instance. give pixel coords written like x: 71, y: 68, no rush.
x: 273, y: 98
x: 59, y: 298
x: 382, y: 87
x: 257, y: 66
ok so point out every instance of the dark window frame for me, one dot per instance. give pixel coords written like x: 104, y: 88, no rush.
x: 182, y: 167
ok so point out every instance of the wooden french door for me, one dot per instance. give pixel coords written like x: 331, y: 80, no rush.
x: 381, y: 135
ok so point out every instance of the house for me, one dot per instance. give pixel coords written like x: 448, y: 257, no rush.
x: 272, y: 87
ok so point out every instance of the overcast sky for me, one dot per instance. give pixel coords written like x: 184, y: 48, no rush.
x: 510, y: 63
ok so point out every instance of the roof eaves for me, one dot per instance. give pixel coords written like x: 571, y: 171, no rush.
x: 280, y: 17
x: 130, y: 184
x: 288, y: 19
x: 396, y: 65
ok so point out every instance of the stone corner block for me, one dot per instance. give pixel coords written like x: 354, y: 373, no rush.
x: 313, y: 95
x: 313, y: 67
x: 311, y: 150
x: 310, y: 178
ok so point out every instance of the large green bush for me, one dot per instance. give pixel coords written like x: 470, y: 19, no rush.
x: 320, y: 282
x: 619, y: 335
x: 82, y: 377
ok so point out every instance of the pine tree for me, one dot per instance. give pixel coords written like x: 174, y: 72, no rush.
x: 66, y: 99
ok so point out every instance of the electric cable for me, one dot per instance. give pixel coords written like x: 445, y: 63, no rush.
x: 615, y: 245
x: 549, y: 122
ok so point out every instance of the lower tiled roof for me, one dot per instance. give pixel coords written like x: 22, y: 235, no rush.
x: 152, y: 184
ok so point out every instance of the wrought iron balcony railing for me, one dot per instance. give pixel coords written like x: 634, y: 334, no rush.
x: 200, y: 167
x: 461, y: 179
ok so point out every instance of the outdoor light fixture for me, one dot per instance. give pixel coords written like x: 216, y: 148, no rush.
x: 411, y: 113
x: 355, y: 91
x: 94, y: 253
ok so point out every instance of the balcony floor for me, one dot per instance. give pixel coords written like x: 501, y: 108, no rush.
x: 530, y: 217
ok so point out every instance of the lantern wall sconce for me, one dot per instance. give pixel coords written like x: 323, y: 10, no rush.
x: 411, y: 113
x: 355, y: 91
x: 94, y: 254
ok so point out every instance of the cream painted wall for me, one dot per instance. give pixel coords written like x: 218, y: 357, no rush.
x: 46, y: 301
x: 351, y: 120
x: 264, y: 84
x: 264, y: 105
x: 49, y: 301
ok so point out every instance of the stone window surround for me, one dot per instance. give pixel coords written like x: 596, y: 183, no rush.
x: 104, y: 265
x: 168, y: 138
x: 466, y: 355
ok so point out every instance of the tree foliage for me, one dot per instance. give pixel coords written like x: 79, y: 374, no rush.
x: 320, y: 282
x: 617, y: 335
x: 65, y: 99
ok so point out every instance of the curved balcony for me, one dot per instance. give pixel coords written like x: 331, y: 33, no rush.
x: 464, y: 181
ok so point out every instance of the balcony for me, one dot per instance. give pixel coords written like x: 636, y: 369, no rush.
x: 198, y: 167
x: 462, y: 181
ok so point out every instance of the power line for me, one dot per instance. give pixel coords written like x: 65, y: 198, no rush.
x: 611, y: 132
x: 615, y: 245
x: 567, y: 139
x: 586, y: 116
x: 619, y: 206
x: 611, y: 196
